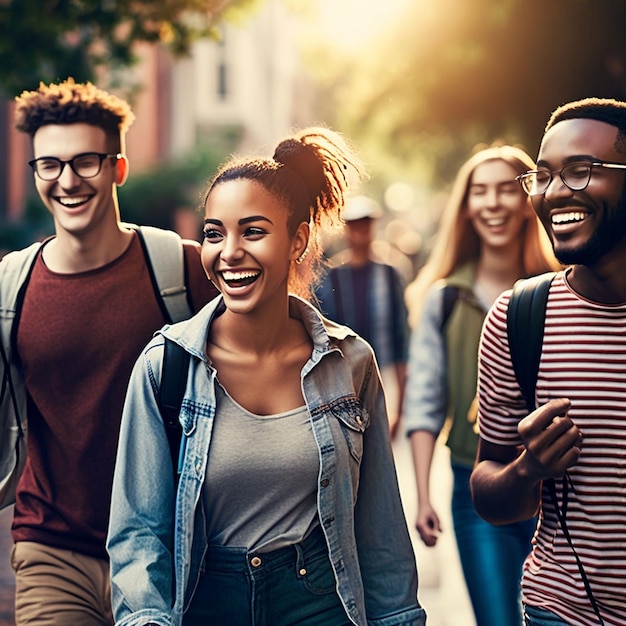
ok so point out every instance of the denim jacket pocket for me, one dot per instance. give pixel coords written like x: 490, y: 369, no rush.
x: 353, y: 421
x: 188, y: 417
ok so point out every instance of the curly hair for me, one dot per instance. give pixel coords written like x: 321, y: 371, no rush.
x: 69, y: 102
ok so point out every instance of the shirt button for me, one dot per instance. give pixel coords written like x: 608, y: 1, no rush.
x: 255, y: 561
x: 198, y: 467
x: 303, y: 572
x: 325, y: 482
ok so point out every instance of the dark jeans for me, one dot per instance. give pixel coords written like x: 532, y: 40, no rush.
x: 534, y: 616
x: 491, y: 557
x: 292, y: 586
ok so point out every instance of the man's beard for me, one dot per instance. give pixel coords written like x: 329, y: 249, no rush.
x: 609, y: 234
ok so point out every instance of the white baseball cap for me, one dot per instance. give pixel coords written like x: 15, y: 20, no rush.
x: 360, y: 207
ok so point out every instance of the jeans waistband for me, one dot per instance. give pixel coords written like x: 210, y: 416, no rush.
x: 240, y: 559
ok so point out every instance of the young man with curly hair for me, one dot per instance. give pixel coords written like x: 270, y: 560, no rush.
x: 88, y: 308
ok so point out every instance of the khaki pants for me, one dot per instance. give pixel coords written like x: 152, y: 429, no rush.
x: 55, y: 587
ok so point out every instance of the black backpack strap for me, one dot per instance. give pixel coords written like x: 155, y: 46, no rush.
x: 450, y: 296
x: 525, y: 324
x: 334, y: 279
x: 171, y: 392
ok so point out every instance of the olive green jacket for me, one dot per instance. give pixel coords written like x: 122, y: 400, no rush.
x: 443, y: 367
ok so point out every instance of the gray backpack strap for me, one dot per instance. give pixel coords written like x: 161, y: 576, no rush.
x: 164, y: 250
x: 15, y: 269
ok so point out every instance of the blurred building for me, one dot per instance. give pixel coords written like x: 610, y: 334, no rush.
x: 248, y: 81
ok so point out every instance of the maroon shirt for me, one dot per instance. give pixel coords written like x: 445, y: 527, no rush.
x: 78, y: 338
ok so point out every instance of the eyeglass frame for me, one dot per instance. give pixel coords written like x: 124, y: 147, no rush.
x: 101, y: 155
x: 590, y: 164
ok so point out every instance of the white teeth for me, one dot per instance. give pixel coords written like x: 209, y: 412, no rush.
x: 496, y: 221
x: 75, y: 201
x: 238, y: 275
x: 572, y: 216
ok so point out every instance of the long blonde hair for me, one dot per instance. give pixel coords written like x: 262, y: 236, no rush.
x: 458, y: 243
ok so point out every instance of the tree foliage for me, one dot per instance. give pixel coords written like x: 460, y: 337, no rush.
x: 458, y: 72
x: 48, y: 40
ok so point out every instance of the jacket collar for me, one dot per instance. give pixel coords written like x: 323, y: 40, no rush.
x: 463, y: 276
x: 192, y: 333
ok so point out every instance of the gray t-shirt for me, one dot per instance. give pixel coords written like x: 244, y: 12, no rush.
x: 260, y: 490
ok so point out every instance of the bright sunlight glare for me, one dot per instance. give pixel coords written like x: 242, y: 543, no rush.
x: 350, y: 24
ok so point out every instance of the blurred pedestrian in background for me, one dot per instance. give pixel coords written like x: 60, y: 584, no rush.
x: 368, y: 296
x: 489, y: 237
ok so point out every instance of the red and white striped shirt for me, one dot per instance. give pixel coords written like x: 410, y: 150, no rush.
x: 583, y: 359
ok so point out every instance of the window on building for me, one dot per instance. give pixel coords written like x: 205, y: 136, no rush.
x: 222, y: 70
x: 222, y: 82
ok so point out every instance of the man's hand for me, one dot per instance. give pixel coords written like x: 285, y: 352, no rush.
x: 551, y: 440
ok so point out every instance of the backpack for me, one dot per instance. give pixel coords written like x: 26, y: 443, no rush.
x: 171, y: 391
x: 451, y: 293
x: 526, y: 313
x: 164, y: 254
x: 525, y: 324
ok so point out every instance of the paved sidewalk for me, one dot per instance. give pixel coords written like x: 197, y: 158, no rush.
x: 442, y: 590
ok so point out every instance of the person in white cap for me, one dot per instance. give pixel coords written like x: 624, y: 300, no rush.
x: 367, y: 295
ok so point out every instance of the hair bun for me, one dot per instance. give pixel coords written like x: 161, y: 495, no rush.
x: 304, y: 161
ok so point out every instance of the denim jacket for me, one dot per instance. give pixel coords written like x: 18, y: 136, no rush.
x: 443, y: 367
x: 358, y: 497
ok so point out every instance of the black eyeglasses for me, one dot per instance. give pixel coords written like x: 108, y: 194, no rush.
x: 86, y: 165
x: 576, y: 176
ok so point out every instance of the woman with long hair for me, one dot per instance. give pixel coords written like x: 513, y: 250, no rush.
x: 488, y: 238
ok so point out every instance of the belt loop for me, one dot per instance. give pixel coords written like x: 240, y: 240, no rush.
x: 300, y: 562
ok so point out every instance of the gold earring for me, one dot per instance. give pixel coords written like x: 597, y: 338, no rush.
x: 302, y: 256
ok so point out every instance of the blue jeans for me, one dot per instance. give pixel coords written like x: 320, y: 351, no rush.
x: 292, y: 586
x: 535, y: 616
x: 491, y: 557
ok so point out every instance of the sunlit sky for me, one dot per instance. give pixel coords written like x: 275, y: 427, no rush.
x: 351, y: 23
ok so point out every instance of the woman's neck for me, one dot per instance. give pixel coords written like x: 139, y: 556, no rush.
x: 496, y: 271
x: 258, y: 333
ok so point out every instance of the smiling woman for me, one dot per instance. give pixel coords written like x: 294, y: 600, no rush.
x: 285, y: 429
